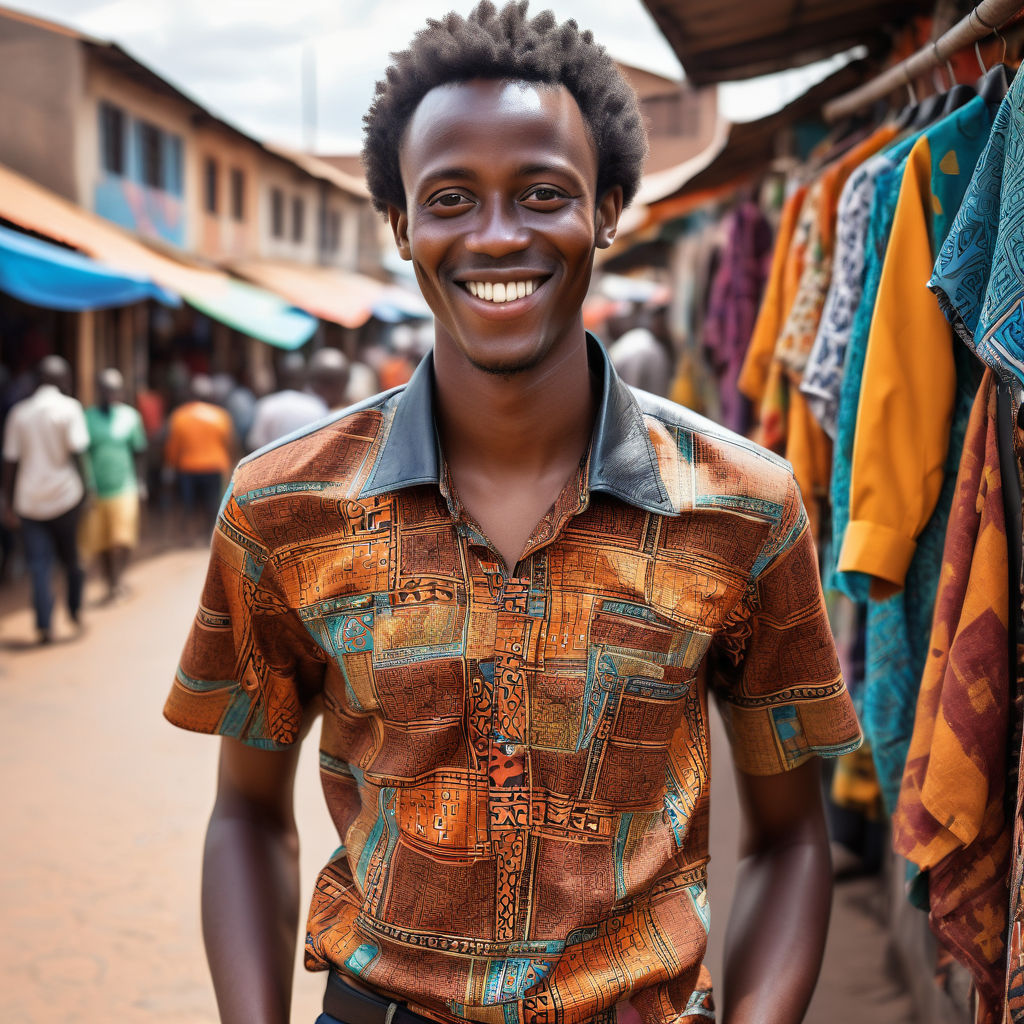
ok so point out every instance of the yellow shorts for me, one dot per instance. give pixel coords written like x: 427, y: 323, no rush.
x: 110, y: 523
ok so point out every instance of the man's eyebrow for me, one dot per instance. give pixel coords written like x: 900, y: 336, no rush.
x: 445, y: 172
x: 543, y: 168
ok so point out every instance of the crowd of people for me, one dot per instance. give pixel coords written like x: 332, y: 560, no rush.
x: 76, y: 480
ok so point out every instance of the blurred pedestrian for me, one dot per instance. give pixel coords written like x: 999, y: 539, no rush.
x: 117, y: 460
x: 287, y: 409
x: 240, y: 402
x: 200, y: 451
x: 362, y: 383
x: 44, y: 487
x: 397, y: 367
x: 640, y: 358
x: 329, y: 377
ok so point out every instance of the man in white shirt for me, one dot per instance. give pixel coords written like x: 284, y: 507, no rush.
x: 640, y: 359
x: 288, y: 409
x: 44, y: 484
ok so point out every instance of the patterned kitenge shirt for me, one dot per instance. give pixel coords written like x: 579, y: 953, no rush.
x: 517, y: 759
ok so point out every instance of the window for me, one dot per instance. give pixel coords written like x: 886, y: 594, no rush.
x: 298, y: 218
x: 151, y: 155
x: 174, y: 177
x: 237, y: 194
x: 112, y: 138
x: 277, y: 213
x: 332, y: 231
x: 210, y: 177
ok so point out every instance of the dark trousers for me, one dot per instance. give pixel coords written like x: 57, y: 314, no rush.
x: 202, y: 492
x: 46, y: 539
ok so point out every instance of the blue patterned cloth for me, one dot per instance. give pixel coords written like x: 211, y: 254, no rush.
x: 979, y: 274
x: 898, y: 629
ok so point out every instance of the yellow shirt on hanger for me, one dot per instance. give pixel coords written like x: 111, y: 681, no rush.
x: 906, y: 401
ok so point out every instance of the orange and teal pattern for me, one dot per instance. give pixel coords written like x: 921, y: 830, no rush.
x: 517, y: 761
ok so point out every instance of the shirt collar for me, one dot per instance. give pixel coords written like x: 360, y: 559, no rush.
x: 623, y: 461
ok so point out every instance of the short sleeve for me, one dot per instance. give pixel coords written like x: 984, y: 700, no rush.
x: 78, y: 430
x: 249, y: 668
x: 138, y: 435
x: 774, y: 666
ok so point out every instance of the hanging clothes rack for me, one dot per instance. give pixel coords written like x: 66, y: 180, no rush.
x: 983, y: 20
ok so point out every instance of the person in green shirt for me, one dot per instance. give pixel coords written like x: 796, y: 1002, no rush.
x: 117, y: 443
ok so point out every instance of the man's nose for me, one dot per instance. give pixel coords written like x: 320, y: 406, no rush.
x: 498, y: 230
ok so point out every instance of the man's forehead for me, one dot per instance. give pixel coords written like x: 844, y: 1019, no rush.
x: 448, y: 110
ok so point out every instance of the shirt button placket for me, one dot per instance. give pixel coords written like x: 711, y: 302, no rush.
x: 508, y: 770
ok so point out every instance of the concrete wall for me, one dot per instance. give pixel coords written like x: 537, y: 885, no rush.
x: 293, y: 183
x: 40, y: 80
x: 220, y: 235
x: 158, y: 213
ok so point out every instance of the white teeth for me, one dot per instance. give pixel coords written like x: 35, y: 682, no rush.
x: 503, y: 291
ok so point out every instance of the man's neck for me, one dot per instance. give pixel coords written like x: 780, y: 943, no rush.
x: 520, y: 423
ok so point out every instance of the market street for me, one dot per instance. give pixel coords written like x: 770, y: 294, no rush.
x: 105, y: 809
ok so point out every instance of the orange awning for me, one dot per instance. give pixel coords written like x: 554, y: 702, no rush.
x: 339, y: 296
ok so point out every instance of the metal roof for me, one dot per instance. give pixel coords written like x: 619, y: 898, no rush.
x: 725, y: 40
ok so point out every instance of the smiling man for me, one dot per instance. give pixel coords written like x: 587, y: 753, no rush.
x: 509, y: 587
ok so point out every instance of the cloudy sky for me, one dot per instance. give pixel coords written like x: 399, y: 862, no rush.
x: 244, y: 59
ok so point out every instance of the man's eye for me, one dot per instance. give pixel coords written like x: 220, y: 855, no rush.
x: 544, y: 194
x: 448, y: 199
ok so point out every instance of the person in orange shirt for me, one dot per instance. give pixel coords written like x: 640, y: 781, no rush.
x: 200, y: 449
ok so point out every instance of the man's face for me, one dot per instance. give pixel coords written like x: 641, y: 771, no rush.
x: 502, y: 219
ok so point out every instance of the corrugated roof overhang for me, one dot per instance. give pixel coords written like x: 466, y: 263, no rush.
x: 726, y: 40
x: 751, y: 146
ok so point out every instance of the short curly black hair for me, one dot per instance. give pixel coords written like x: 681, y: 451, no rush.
x: 505, y: 44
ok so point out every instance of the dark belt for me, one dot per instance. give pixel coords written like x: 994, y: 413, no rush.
x: 353, y: 1006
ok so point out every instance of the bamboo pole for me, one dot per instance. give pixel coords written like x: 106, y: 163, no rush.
x: 988, y: 16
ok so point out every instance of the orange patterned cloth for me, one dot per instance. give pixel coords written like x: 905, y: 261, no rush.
x: 517, y: 760
x: 951, y: 818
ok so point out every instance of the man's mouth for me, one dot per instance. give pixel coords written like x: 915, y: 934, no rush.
x: 500, y: 292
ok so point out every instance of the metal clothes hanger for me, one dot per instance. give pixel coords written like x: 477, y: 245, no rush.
x: 909, y: 112
x: 959, y: 94
x: 994, y: 83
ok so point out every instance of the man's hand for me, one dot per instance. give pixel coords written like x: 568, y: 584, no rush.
x: 776, y: 933
x: 8, y: 472
x: 7, y: 516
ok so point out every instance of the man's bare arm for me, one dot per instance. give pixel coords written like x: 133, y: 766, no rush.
x: 250, y: 891
x: 776, y: 933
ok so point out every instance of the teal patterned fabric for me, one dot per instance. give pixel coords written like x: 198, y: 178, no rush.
x: 979, y: 274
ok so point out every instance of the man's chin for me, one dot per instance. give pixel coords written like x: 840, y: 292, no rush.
x: 499, y: 368
x: 502, y: 363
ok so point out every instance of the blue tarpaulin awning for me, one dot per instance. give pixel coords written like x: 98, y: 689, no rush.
x: 51, y: 276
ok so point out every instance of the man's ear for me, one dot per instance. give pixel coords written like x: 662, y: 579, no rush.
x: 609, y: 209
x: 399, y: 221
